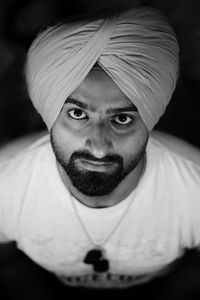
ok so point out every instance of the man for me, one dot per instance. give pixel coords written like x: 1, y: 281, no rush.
x: 102, y: 202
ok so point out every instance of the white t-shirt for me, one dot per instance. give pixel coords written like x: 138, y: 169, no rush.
x: 163, y: 218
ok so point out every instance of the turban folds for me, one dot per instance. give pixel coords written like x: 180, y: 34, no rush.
x: 137, y: 49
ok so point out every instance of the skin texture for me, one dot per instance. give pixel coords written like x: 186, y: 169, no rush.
x: 99, y: 136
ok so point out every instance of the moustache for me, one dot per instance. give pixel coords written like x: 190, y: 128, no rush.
x: 108, y: 158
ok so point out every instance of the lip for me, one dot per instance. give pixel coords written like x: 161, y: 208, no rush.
x: 96, y: 165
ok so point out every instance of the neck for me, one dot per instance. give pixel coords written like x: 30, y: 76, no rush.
x: 123, y: 190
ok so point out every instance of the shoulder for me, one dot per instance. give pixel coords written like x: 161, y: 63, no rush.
x: 20, y: 157
x: 20, y: 145
x: 178, y: 172
x: 176, y: 161
x: 176, y: 148
x: 20, y: 162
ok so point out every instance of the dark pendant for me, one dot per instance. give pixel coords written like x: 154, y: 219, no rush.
x: 96, y: 258
x: 101, y: 266
x: 93, y: 256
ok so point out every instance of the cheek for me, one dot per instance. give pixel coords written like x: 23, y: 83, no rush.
x: 127, y: 148
x: 132, y: 144
x: 66, y: 141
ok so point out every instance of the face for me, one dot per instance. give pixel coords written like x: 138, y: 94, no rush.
x: 99, y: 137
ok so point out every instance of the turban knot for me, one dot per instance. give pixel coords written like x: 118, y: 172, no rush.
x: 137, y: 49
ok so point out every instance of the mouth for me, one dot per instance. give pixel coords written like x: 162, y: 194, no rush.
x: 96, y: 166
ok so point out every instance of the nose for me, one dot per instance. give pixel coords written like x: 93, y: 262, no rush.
x: 98, y: 143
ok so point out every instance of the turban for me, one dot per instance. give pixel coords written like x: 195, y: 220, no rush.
x: 137, y: 48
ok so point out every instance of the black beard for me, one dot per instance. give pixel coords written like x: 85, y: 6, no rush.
x: 91, y: 183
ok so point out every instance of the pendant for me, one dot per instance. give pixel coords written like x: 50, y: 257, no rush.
x: 96, y: 258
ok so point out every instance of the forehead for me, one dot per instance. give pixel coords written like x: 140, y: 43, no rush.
x: 100, y: 91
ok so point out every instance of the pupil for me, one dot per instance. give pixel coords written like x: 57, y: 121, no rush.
x: 122, y: 118
x: 78, y: 113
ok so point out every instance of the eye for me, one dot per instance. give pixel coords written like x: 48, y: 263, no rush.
x: 122, y: 119
x: 77, y: 114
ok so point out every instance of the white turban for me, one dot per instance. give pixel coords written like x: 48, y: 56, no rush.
x: 137, y: 49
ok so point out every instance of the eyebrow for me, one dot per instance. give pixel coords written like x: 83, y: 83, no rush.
x: 90, y: 107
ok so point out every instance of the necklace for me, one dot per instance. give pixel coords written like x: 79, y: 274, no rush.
x: 97, y: 255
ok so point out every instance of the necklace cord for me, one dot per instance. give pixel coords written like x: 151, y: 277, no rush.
x: 118, y: 223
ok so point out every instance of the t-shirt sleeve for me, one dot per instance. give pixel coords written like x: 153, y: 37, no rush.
x: 17, y: 164
x: 12, y: 191
x: 192, y: 208
x: 186, y: 159
x: 5, y: 195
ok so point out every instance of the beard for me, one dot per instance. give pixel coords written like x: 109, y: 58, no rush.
x: 94, y: 183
